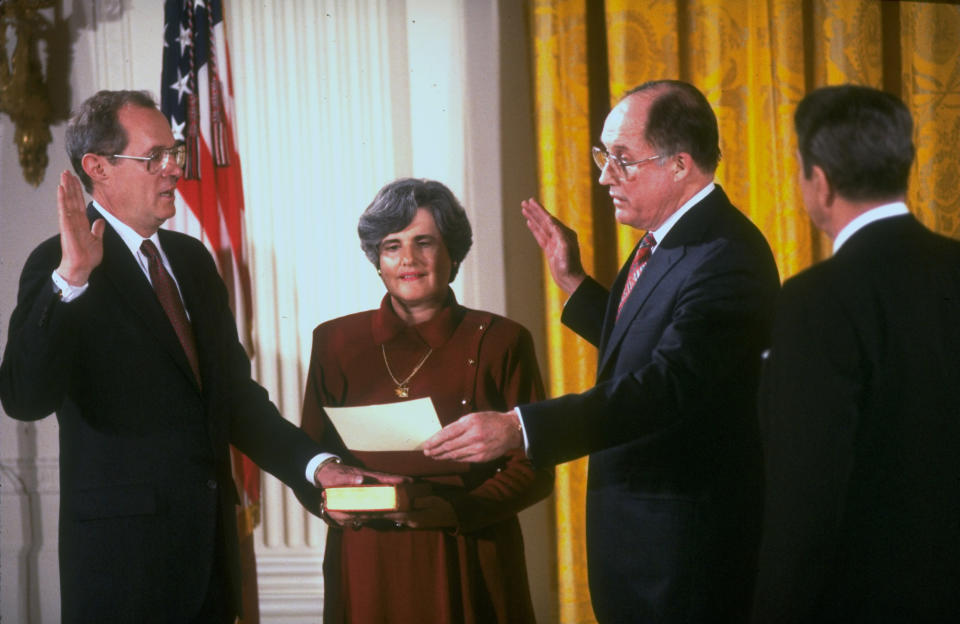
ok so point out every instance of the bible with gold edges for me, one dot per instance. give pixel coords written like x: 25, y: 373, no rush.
x: 373, y: 497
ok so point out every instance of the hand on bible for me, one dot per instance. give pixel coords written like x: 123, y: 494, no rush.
x: 477, y: 437
x: 334, y: 473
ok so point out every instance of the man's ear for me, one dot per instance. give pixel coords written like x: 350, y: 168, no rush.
x: 822, y: 188
x: 680, y: 166
x: 94, y: 165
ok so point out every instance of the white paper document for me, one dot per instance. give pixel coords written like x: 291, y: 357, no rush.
x: 402, y: 426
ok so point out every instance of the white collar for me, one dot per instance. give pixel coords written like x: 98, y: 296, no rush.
x: 130, y: 238
x: 885, y: 211
x: 661, y: 232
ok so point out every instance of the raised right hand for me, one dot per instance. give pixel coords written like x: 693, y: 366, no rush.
x: 81, y: 243
x: 559, y: 244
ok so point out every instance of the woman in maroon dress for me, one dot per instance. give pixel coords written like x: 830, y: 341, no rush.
x: 458, y: 556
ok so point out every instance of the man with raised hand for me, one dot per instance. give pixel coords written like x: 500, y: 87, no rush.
x: 124, y: 330
x: 674, y: 486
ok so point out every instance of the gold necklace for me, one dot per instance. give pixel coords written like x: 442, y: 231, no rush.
x: 403, y: 389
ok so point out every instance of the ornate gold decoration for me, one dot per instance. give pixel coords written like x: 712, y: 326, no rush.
x: 23, y: 90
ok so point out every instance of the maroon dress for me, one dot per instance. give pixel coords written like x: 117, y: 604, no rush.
x: 474, y: 572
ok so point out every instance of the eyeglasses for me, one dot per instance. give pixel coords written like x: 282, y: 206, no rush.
x: 161, y: 159
x: 619, y: 166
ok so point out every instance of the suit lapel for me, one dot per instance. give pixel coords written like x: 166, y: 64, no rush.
x: 610, y: 316
x: 669, y: 253
x: 120, y: 268
x: 656, y: 269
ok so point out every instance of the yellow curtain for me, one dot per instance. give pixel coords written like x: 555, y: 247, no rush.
x: 754, y: 60
x: 564, y: 137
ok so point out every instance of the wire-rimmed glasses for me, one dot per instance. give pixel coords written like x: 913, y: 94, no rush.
x: 160, y: 159
x: 602, y: 158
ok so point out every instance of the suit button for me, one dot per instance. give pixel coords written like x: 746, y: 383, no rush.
x: 212, y: 484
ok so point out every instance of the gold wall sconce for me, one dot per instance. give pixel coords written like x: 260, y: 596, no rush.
x: 23, y: 90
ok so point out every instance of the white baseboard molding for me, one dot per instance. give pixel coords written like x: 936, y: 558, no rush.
x: 290, y: 585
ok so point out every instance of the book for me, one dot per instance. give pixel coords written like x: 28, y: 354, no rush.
x: 373, y: 497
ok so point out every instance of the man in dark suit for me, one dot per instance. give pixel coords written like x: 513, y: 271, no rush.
x: 125, y: 332
x: 859, y: 409
x: 673, y: 495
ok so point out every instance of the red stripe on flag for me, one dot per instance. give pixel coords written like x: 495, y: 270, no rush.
x: 209, y: 199
x: 216, y: 200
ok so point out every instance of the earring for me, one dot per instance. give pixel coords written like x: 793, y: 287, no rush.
x: 379, y: 272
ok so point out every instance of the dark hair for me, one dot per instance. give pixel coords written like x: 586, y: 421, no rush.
x: 95, y: 129
x: 862, y: 138
x: 680, y: 120
x: 395, y: 206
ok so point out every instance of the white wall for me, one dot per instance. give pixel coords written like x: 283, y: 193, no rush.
x: 29, y: 479
x: 478, y: 49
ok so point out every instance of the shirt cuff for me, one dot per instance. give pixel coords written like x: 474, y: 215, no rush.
x: 523, y: 430
x: 314, y: 463
x: 67, y: 292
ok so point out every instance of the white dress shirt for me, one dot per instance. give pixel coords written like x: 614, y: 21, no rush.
x: 133, y: 241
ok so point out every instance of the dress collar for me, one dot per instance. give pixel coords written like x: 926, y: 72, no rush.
x: 434, y: 332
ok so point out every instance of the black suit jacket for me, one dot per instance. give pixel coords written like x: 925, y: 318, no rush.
x: 674, y: 480
x: 861, y: 425
x: 145, y: 473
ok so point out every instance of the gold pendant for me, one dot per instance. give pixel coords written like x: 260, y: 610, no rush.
x: 403, y: 388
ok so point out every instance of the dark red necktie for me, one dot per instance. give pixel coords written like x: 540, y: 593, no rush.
x: 636, y: 267
x: 169, y: 298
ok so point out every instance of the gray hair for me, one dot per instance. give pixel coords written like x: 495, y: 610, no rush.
x: 95, y: 128
x: 395, y: 206
x: 680, y: 119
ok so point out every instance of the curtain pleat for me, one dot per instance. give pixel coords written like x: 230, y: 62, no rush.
x: 754, y: 61
x: 560, y: 67
x: 931, y: 89
x: 562, y: 96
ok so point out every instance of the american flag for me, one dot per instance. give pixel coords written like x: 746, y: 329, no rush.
x: 197, y: 99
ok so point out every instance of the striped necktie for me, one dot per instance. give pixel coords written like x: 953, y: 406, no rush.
x: 636, y: 267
